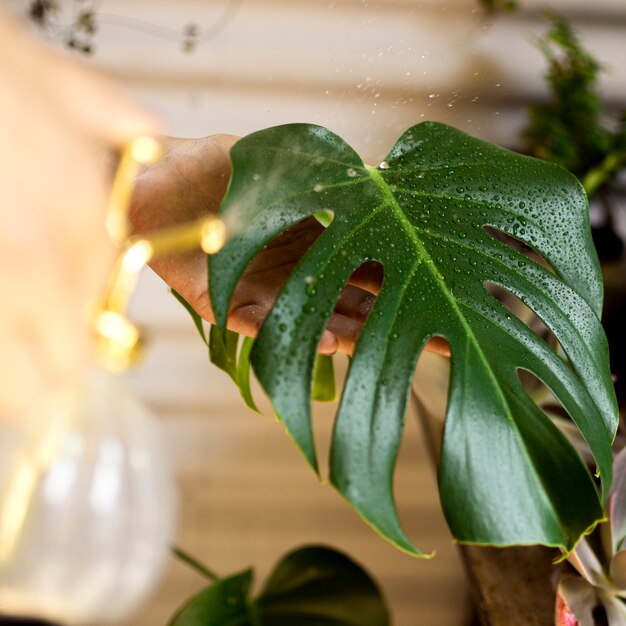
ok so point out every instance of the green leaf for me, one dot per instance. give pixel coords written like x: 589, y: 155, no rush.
x: 243, y: 373
x: 223, y: 353
x: 197, y: 320
x: 324, y: 218
x: 223, y: 350
x: 506, y: 475
x: 312, y: 586
x: 324, y: 389
x: 224, y: 603
x: 317, y: 586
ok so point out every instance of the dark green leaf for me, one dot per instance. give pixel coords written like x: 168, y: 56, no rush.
x: 197, y: 320
x: 224, y: 603
x: 318, y: 586
x: 312, y: 586
x: 324, y: 389
x: 223, y: 350
x: 223, y: 353
x: 507, y: 475
x: 243, y: 373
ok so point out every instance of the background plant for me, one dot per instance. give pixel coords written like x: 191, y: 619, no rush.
x: 312, y: 585
x: 499, y: 5
x: 573, y: 128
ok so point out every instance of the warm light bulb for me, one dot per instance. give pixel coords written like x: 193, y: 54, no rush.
x: 86, y: 508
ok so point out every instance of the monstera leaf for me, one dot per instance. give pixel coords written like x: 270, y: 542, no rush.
x: 311, y: 586
x: 506, y: 474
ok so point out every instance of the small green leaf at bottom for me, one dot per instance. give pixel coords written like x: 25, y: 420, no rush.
x: 223, y: 350
x: 311, y: 586
x: 223, y: 353
x: 317, y: 586
x: 224, y: 603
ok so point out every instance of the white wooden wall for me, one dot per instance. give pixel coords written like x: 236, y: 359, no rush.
x: 367, y: 69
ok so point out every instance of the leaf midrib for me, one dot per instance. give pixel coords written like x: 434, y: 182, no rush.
x: 385, y: 191
x: 509, y: 289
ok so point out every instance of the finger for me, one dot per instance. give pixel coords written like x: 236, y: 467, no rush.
x: 438, y: 345
x: 346, y: 331
x: 247, y: 320
x: 329, y: 343
x: 355, y: 303
x: 188, y: 275
x: 341, y: 334
x: 369, y: 277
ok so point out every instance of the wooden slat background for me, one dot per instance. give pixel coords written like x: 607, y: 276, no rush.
x: 367, y: 69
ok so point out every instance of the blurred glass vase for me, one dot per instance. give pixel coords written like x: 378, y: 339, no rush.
x: 87, y: 507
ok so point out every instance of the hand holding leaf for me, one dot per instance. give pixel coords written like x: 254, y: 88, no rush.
x: 191, y: 181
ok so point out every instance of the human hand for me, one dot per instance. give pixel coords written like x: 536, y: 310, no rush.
x: 57, y: 121
x: 189, y: 182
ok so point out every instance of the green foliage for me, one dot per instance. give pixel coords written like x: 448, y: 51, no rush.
x: 224, y: 603
x: 224, y: 352
x: 507, y: 475
x: 499, y: 5
x: 197, y: 320
x: 312, y: 586
x: 323, y: 388
x: 570, y: 129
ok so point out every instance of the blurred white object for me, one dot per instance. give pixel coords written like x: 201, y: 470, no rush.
x: 86, y: 508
